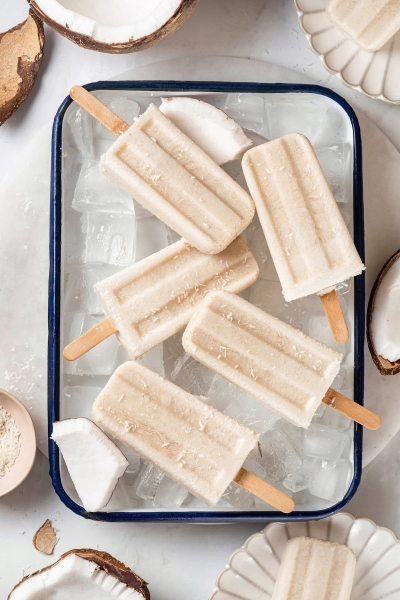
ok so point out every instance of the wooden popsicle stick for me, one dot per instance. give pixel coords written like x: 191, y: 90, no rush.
x: 352, y: 410
x: 90, y: 339
x: 97, y: 109
x: 264, y: 490
x: 333, y: 311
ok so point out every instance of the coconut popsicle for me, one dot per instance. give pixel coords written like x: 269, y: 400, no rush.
x: 193, y: 443
x: 309, y: 242
x: 279, y: 365
x: 313, y: 569
x: 153, y: 299
x: 178, y: 182
x: 369, y: 23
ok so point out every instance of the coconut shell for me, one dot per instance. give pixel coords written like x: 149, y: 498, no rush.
x: 45, y: 538
x: 385, y: 366
x: 106, y: 563
x: 132, y: 45
x: 21, y: 53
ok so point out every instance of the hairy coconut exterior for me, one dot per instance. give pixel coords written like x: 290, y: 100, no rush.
x: 21, y: 53
x: 132, y: 45
x: 385, y: 366
x: 106, y: 563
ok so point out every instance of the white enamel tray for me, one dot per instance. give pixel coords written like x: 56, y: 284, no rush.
x: 375, y: 74
x: 252, y: 570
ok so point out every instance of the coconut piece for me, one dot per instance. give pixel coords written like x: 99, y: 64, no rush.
x: 94, y: 462
x: 383, y: 318
x: 45, y: 538
x: 209, y: 127
x: 21, y: 53
x: 116, y: 27
x: 83, y: 575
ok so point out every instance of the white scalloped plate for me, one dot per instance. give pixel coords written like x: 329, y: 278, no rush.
x: 252, y: 570
x: 375, y: 74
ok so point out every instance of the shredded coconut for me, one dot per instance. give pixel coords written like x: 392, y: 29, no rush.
x: 10, y: 444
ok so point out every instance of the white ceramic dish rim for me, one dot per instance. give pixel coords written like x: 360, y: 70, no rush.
x: 359, y: 88
x: 245, y: 546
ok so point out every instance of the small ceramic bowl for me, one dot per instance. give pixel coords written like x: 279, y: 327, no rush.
x: 375, y: 74
x: 24, y: 463
x: 252, y: 570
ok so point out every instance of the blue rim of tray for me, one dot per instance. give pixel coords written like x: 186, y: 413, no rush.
x: 207, y: 516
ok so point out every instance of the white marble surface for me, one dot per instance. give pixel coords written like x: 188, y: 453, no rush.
x: 179, y: 561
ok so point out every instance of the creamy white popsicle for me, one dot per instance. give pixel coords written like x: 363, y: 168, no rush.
x: 314, y: 569
x: 309, y: 242
x: 280, y: 366
x: 369, y: 23
x: 194, y: 444
x: 155, y: 298
x: 177, y: 181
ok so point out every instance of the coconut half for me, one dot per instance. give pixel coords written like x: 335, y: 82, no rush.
x: 208, y: 127
x: 114, y: 26
x: 21, y: 53
x: 94, y: 462
x: 82, y: 575
x: 383, y: 318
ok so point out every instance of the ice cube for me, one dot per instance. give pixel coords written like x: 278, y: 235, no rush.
x: 173, y: 347
x: 323, y: 442
x: 334, y: 419
x: 80, y: 129
x: 74, y: 243
x: 95, y: 192
x: 340, y: 380
x: 100, y: 360
x: 333, y: 128
x: 279, y: 456
x: 238, y: 497
x: 234, y: 170
x: 151, y: 237
x: 124, y: 496
x: 77, y: 401
x: 134, y: 459
x: 246, y: 109
x: 288, y: 116
x: 299, y: 480
x: 71, y: 167
x: 331, y: 478
x: 193, y: 503
x: 192, y: 376
x: 240, y: 406
x: 267, y: 295
x: 147, y: 482
x: 140, y: 211
x: 126, y: 109
x: 295, y: 434
x: 336, y: 162
x: 255, y: 239
x: 255, y: 466
x: 154, y: 359
x: 170, y: 494
x: 172, y: 236
x: 110, y: 238
x: 79, y: 295
x: 319, y: 329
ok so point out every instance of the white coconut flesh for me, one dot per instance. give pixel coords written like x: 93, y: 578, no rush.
x: 93, y: 461
x: 209, y: 127
x: 385, y: 325
x: 110, y: 21
x: 76, y: 578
